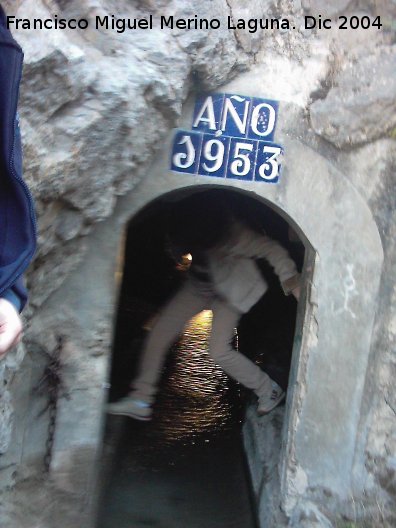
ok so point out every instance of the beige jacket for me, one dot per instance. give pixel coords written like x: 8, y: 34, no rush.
x: 234, y: 273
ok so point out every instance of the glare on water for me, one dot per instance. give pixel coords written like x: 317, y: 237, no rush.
x: 196, y: 394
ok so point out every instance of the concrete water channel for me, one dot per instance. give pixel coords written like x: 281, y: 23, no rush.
x: 187, y: 467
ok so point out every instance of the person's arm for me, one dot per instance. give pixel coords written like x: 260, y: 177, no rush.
x: 16, y: 294
x: 252, y: 244
x: 12, y: 302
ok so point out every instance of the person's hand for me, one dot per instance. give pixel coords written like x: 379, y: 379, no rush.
x: 10, y: 326
x: 296, y: 292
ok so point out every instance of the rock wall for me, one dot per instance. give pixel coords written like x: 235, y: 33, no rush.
x: 96, y: 105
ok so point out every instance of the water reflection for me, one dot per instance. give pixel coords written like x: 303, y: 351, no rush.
x: 186, y: 467
x: 196, y: 397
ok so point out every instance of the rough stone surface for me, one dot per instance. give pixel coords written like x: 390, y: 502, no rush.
x: 372, y: 170
x: 262, y: 441
x: 87, y: 135
x: 361, y: 105
x: 321, y: 7
x: 256, y: 9
x: 36, y: 502
x: 6, y: 416
x: 308, y: 515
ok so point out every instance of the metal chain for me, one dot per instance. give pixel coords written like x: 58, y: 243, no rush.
x: 50, y: 384
x: 51, y: 434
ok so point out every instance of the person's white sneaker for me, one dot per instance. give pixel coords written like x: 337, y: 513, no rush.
x: 270, y: 400
x: 132, y: 407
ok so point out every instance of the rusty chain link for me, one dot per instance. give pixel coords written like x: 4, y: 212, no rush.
x: 50, y: 384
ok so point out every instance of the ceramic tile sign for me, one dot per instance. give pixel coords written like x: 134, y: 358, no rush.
x: 231, y: 137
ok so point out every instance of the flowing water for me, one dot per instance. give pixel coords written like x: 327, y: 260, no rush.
x: 185, y: 468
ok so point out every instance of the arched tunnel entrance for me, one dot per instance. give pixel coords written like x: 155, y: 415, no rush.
x: 199, y: 412
x: 322, y: 459
x: 150, y: 277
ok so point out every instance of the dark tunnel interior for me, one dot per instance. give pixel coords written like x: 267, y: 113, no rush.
x: 265, y: 333
x: 187, y: 466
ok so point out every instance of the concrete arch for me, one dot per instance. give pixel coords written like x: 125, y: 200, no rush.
x: 330, y: 357
x: 331, y: 215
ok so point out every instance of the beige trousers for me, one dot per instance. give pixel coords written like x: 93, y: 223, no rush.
x: 189, y: 301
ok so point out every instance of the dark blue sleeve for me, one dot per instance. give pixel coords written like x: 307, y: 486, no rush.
x: 17, y: 217
x: 16, y: 294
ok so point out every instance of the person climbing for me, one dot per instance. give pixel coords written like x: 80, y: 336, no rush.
x: 223, y: 277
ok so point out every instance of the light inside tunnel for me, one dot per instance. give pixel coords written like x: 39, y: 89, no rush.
x: 197, y: 384
x: 195, y: 391
x: 185, y: 263
x: 202, y: 322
